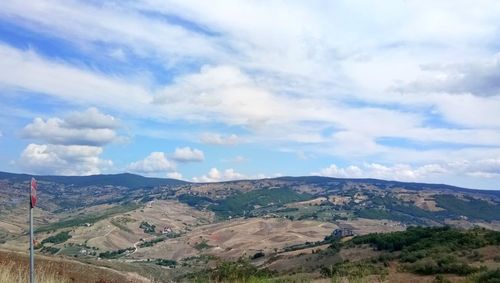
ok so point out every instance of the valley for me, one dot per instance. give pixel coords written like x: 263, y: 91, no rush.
x: 283, y: 228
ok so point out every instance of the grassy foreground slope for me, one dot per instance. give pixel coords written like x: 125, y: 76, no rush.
x: 14, y: 268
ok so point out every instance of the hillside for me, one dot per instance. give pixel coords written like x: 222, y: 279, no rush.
x: 164, y: 228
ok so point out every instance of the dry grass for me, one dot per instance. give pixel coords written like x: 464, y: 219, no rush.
x: 13, y: 273
x: 14, y: 268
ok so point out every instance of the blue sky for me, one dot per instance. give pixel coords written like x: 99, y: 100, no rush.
x: 204, y: 91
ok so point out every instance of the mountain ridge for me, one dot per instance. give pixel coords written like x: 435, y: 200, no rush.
x: 132, y: 180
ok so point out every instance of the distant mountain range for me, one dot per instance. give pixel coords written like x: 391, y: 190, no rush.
x: 134, y: 181
x: 411, y: 203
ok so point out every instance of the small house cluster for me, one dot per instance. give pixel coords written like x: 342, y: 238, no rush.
x: 342, y: 232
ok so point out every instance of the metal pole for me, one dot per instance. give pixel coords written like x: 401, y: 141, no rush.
x: 32, y: 253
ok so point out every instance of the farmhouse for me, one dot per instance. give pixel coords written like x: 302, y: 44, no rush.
x: 342, y: 232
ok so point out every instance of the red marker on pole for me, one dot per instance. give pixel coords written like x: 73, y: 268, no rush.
x: 33, y: 200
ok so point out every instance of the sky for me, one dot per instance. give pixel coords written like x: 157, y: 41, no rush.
x: 220, y: 90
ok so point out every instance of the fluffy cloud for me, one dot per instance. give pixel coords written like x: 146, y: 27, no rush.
x: 92, y: 118
x: 403, y: 172
x: 63, y: 159
x: 187, y: 154
x: 214, y: 175
x: 320, y: 89
x: 72, y: 145
x: 334, y: 171
x: 482, y: 168
x: 218, y: 139
x: 174, y: 175
x: 154, y: 163
x: 90, y: 127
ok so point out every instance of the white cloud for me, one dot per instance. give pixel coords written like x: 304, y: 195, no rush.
x: 218, y: 139
x: 71, y: 146
x: 481, y: 168
x: 214, y: 175
x: 334, y: 171
x: 70, y: 83
x: 118, y: 26
x: 154, y: 163
x: 402, y: 172
x: 319, y: 88
x: 479, y: 78
x: 174, y: 175
x: 63, y: 159
x: 86, y: 128
x: 187, y: 154
x: 91, y: 118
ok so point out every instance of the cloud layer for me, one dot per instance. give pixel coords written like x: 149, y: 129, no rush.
x: 399, y: 89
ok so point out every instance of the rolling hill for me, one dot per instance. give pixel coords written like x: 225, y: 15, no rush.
x: 166, y: 228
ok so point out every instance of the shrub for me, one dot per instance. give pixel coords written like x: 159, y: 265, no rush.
x: 490, y: 276
x: 166, y: 262
x: 114, y: 254
x: 239, y: 271
x: 147, y: 228
x: 258, y: 255
x: 58, y: 238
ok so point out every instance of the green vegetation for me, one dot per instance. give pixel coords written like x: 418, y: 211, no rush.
x: 166, y: 262
x: 470, y: 207
x: 158, y: 239
x: 240, y: 271
x: 433, y: 250
x: 115, y: 254
x: 88, y: 218
x: 58, y: 238
x: 242, y: 203
x: 399, y: 211
x: 49, y: 250
x: 489, y: 276
x: 441, y: 264
x: 353, y: 270
x: 147, y: 227
x: 202, y: 245
x: 195, y: 201
x: 425, y: 238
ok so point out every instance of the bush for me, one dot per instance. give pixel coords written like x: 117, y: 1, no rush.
x: 166, y: 262
x: 258, y: 255
x: 491, y: 276
x: 202, y: 245
x: 49, y: 250
x: 444, y: 265
x: 114, y: 254
x: 147, y: 228
x: 58, y: 238
x: 239, y: 271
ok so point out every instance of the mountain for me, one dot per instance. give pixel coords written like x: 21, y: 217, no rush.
x: 123, y: 180
x: 172, y: 230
